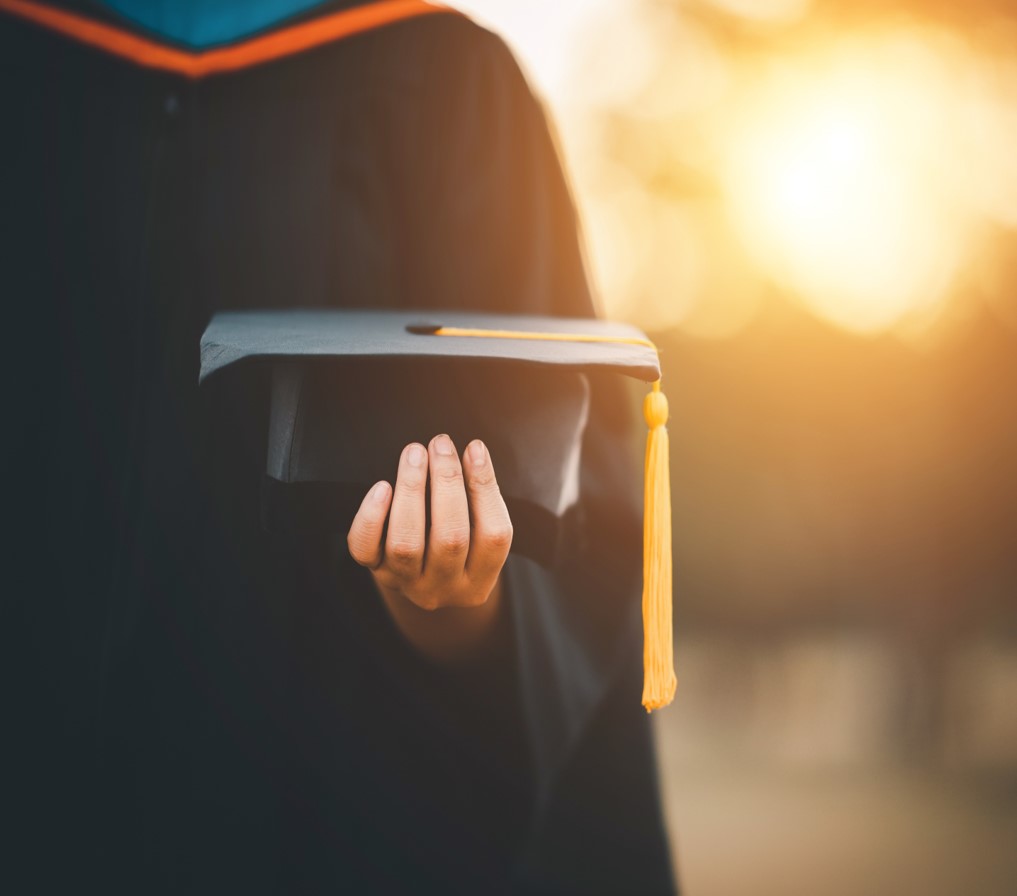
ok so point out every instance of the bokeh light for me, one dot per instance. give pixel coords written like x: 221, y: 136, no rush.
x: 778, y: 12
x: 839, y: 172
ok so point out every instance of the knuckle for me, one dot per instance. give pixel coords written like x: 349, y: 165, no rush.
x: 452, y: 541
x: 484, y: 479
x: 359, y: 550
x: 403, y: 551
x: 448, y: 474
x: 490, y: 509
x: 498, y: 536
x: 411, y: 484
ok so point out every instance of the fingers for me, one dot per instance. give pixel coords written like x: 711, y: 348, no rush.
x: 449, y: 539
x: 492, y: 527
x: 458, y: 562
x: 364, y: 538
x: 404, y: 544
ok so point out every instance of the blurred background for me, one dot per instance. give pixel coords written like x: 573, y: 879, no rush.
x: 812, y: 207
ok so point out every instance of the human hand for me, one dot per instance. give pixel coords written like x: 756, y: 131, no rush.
x: 453, y: 567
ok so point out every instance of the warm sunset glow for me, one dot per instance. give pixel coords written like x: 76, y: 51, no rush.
x: 866, y: 171
x: 843, y: 179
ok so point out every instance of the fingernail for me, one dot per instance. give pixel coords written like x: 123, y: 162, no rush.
x: 380, y: 492
x: 416, y: 455
x: 478, y: 454
x: 443, y: 445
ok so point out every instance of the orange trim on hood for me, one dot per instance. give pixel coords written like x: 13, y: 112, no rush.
x: 255, y: 51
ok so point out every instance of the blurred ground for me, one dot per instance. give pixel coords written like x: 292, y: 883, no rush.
x: 779, y: 778
x: 739, y: 829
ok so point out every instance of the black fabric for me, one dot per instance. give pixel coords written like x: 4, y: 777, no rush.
x: 196, y: 706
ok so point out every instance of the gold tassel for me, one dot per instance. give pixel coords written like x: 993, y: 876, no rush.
x: 659, y: 681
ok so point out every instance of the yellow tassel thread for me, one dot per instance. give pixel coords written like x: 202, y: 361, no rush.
x: 659, y: 681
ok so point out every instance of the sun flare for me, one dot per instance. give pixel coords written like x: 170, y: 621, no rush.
x: 836, y: 178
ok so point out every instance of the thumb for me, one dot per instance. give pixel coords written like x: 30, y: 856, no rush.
x: 364, y: 538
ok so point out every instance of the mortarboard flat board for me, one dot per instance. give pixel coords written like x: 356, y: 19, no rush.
x: 350, y: 388
x: 309, y: 335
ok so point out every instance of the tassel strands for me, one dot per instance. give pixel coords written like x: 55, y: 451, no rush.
x: 659, y: 681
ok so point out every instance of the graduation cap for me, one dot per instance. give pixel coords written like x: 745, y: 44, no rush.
x: 350, y: 388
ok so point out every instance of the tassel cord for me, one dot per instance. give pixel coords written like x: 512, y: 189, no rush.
x: 659, y: 680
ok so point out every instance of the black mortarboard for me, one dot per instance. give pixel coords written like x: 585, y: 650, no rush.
x: 351, y: 388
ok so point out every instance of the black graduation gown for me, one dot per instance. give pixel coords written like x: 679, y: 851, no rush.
x: 198, y: 707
